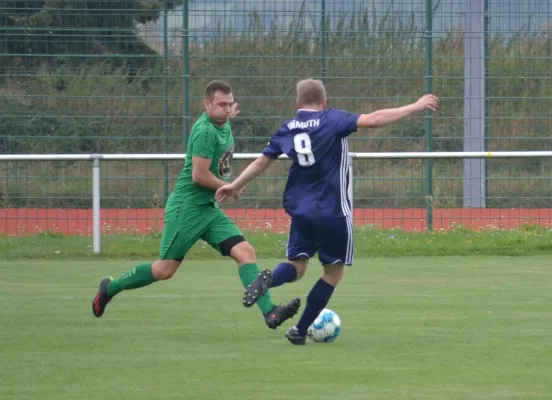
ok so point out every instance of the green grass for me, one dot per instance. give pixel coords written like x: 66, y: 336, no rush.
x: 413, y: 328
x: 369, y: 242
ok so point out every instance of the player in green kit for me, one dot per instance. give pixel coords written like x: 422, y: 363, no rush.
x: 192, y: 212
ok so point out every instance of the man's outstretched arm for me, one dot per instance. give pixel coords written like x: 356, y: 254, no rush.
x: 390, y: 115
x: 253, y: 170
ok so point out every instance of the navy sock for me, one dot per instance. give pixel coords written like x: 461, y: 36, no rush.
x: 316, y: 301
x: 283, y: 273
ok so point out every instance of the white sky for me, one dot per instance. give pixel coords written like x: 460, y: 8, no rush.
x: 205, y: 15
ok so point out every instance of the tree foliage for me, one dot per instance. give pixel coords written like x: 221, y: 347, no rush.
x: 49, y: 30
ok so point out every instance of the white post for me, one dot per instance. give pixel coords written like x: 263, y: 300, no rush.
x: 474, y: 101
x: 350, y: 188
x: 96, y: 204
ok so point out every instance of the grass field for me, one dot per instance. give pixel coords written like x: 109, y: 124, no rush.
x: 449, y: 328
x: 369, y: 242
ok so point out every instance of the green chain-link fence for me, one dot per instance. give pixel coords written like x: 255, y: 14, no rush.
x: 128, y: 76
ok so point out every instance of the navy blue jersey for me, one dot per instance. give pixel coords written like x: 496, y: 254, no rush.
x: 318, y: 179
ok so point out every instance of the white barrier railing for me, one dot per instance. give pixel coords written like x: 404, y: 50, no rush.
x: 97, y: 158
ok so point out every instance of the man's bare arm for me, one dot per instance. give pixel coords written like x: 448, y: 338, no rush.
x: 252, y: 171
x: 202, y: 175
x: 390, y: 115
x: 235, y: 189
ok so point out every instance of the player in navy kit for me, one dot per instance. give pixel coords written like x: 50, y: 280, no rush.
x: 316, y: 194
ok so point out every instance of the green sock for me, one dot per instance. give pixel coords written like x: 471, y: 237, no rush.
x: 248, y: 273
x: 137, y: 277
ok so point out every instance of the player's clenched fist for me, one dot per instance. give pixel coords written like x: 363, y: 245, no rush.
x: 426, y: 102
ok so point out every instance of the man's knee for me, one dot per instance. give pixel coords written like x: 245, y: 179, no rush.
x: 164, y: 269
x: 243, y: 253
x: 300, y: 267
x: 333, y: 273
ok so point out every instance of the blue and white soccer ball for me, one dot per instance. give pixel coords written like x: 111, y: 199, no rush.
x: 325, y: 328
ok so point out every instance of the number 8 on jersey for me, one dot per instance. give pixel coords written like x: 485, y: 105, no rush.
x: 303, y: 148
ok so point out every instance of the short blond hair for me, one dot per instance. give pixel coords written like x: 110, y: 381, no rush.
x: 311, y: 92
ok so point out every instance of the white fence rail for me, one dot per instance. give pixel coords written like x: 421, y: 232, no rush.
x: 97, y: 158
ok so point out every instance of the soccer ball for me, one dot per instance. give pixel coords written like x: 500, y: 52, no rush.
x: 325, y: 328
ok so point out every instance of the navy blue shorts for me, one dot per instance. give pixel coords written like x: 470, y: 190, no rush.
x: 331, y: 238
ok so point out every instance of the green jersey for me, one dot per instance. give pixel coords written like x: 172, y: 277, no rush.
x: 207, y: 140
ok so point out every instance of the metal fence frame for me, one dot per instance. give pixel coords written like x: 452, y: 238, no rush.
x: 97, y: 158
x: 473, y: 17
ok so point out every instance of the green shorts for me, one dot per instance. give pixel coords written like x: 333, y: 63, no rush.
x: 184, y: 227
